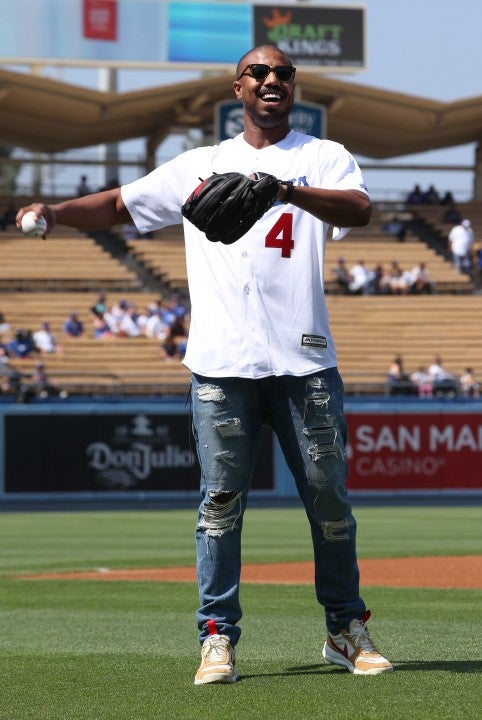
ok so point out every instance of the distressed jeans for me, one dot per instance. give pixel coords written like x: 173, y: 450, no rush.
x: 306, y: 413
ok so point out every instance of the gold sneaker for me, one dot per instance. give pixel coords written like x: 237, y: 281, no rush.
x: 217, y: 661
x: 355, y: 650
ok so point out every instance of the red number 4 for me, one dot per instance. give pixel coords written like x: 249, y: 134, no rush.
x: 281, y: 235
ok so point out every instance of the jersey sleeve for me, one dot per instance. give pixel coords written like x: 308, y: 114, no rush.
x: 155, y: 200
x: 341, y: 172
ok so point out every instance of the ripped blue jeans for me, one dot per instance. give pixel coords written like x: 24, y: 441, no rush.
x: 306, y: 413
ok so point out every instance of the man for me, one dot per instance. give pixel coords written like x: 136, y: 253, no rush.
x: 461, y: 239
x: 261, y: 351
x: 342, y: 275
x: 360, y: 279
x: 73, y: 325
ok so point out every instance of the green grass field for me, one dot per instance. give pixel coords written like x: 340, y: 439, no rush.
x: 88, y: 650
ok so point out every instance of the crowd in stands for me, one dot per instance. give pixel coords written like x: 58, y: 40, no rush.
x: 465, y: 256
x: 431, y: 381
x: 24, y: 386
x: 394, y: 280
x: 166, y: 320
x: 430, y: 196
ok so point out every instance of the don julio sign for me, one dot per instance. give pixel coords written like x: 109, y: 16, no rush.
x: 315, y: 35
x: 108, y: 452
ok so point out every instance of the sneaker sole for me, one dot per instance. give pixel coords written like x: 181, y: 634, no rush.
x: 215, y: 678
x: 337, y: 659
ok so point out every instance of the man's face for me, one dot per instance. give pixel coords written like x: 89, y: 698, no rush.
x: 266, y: 101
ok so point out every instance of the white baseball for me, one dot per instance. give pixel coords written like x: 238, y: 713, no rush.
x: 33, y: 227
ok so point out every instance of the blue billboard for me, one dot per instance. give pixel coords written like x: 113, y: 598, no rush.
x: 307, y: 118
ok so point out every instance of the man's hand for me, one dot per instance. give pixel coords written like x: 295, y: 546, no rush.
x: 39, y: 210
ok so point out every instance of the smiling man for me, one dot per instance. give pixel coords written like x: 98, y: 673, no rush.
x: 261, y: 352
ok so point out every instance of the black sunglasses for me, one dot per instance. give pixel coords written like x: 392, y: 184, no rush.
x: 259, y: 71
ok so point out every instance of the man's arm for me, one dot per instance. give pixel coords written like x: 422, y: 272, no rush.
x: 342, y: 208
x: 91, y: 212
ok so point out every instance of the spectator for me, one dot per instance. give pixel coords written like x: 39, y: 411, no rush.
x: 443, y: 382
x: 452, y: 215
x: 342, y: 276
x: 122, y: 319
x: 468, y: 386
x: 431, y: 196
x: 170, y: 310
x: 22, y: 345
x: 42, y: 385
x: 73, y: 326
x: 10, y: 378
x: 178, y: 306
x: 398, y: 381
x: 419, y: 280
x: 422, y: 380
x: 437, y: 371
x: 45, y: 340
x: 4, y: 325
x: 152, y: 325
x: 175, y: 343
x: 477, y: 270
x: 101, y: 329
x: 397, y: 225
x: 396, y: 280
x: 448, y: 199
x: 99, y: 308
x: 83, y: 187
x: 415, y: 196
x: 461, y: 239
x: 378, y: 281
x: 127, y: 320
x: 360, y: 279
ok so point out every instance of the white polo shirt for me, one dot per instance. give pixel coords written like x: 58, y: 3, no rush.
x: 258, y: 305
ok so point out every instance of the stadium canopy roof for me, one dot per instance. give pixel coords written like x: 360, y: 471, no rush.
x: 49, y: 116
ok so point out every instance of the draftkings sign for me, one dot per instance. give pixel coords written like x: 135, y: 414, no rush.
x: 313, y: 34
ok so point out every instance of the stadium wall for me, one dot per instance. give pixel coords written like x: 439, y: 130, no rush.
x: 142, y: 453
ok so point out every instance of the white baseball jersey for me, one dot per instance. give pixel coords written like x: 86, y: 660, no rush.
x: 258, y: 305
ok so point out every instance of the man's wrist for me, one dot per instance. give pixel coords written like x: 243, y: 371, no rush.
x: 288, y: 188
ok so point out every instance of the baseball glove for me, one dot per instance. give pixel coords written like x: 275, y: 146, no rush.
x: 226, y: 205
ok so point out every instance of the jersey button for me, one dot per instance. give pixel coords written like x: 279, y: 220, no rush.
x: 246, y: 290
x: 244, y: 253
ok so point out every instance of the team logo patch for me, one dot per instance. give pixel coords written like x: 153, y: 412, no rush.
x: 314, y: 341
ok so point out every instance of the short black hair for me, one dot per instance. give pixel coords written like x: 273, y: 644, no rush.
x: 242, y: 61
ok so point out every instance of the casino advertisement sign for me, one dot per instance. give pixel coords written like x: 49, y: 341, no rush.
x: 408, y: 451
x: 101, y: 452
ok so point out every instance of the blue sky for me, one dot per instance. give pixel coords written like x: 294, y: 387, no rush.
x: 426, y: 48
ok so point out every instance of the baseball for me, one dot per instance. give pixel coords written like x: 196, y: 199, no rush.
x: 33, y: 227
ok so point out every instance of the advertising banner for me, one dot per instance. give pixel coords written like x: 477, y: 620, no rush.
x: 312, y: 34
x: 59, y: 453
x: 415, y: 451
x: 100, y: 19
x: 179, y: 33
